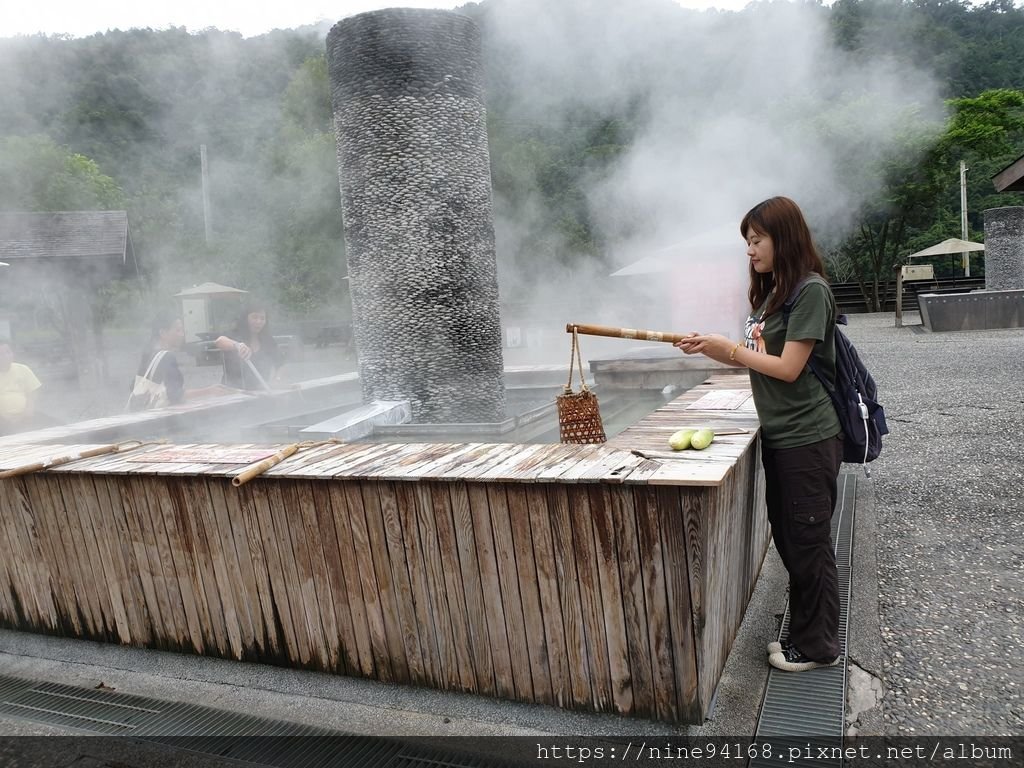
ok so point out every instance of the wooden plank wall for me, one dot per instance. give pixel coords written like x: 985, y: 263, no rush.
x: 728, y: 536
x: 585, y: 595
x: 585, y: 577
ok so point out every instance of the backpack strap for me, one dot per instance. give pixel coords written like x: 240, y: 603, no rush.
x: 153, y: 364
x: 787, y: 306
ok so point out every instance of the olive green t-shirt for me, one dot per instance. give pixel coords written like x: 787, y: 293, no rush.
x: 799, y: 412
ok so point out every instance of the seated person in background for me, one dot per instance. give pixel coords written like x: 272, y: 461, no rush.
x: 251, y: 356
x: 168, y: 336
x: 18, y: 388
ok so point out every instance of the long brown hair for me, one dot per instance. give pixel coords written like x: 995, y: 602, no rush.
x: 794, y: 253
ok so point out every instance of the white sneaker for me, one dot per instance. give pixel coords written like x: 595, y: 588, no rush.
x: 792, y: 660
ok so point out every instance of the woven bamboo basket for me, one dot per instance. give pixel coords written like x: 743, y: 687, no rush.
x: 579, y: 415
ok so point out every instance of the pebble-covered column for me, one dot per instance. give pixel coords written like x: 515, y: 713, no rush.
x: 1004, y: 248
x: 407, y: 93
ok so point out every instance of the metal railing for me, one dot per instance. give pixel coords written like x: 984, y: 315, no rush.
x: 851, y: 301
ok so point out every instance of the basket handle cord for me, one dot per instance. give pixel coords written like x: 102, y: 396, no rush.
x: 575, y: 358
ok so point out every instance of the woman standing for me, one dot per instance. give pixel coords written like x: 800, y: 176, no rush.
x: 793, y: 316
x: 251, y: 356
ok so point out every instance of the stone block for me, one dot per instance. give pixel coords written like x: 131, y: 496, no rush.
x: 360, y: 422
x: 414, y: 166
x: 1004, y: 248
x: 974, y: 311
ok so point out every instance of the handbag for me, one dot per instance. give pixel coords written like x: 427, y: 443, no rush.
x: 579, y: 417
x: 146, y: 393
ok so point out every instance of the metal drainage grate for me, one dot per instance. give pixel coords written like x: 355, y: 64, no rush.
x: 807, y: 710
x: 218, y: 732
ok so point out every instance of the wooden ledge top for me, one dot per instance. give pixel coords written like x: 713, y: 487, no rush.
x: 638, y: 455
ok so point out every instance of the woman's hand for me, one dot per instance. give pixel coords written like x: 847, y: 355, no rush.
x: 712, y: 345
x: 686, y: 343
x: 227, y: 344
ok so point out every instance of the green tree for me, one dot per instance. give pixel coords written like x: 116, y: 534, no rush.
x: 41, y: 176
x: 986, y: 132
x: 919, y: 203
x: 140, y: 103
x: 887, y: 221
x: 307, y: 239
x: 969, y: 48
x: 306, y: 103
x: 988, y: 125
x: 899, y: 188
x: 541, y: 173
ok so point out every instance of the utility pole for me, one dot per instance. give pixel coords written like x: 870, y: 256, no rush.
x: 966, y: 256
x: 206, y: 192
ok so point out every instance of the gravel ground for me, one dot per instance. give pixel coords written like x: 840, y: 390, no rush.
x: 949, y: 498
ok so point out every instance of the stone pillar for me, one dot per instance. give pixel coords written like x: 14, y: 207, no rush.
x: 1004, y: 248
x: 414, y: 166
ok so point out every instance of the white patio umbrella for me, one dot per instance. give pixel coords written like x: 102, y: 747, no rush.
x: 953, y: 245
x: 210, y: 289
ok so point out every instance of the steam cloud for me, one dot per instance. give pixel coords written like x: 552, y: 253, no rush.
x: 722, y: 110
x: 728, y: 109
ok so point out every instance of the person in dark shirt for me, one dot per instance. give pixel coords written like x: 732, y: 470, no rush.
x: 250, y: 346
x: 168, y: 336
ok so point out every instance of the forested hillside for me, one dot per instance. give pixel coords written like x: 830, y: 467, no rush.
x: 614, y: 127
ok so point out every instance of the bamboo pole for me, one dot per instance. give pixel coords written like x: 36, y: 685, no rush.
x: 259, y: 378
x: 263, y: 465
x: 258, y: 468
x: 624, y: 333
x: 68, y: 458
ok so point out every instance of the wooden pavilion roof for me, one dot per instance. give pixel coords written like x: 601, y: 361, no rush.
x: 66, y: 236
x: 1011, y: 178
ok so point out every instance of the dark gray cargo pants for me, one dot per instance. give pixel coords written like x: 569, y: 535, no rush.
x: 800, y: 491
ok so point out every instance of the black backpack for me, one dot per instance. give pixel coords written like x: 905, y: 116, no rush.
x: 855, y: 396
